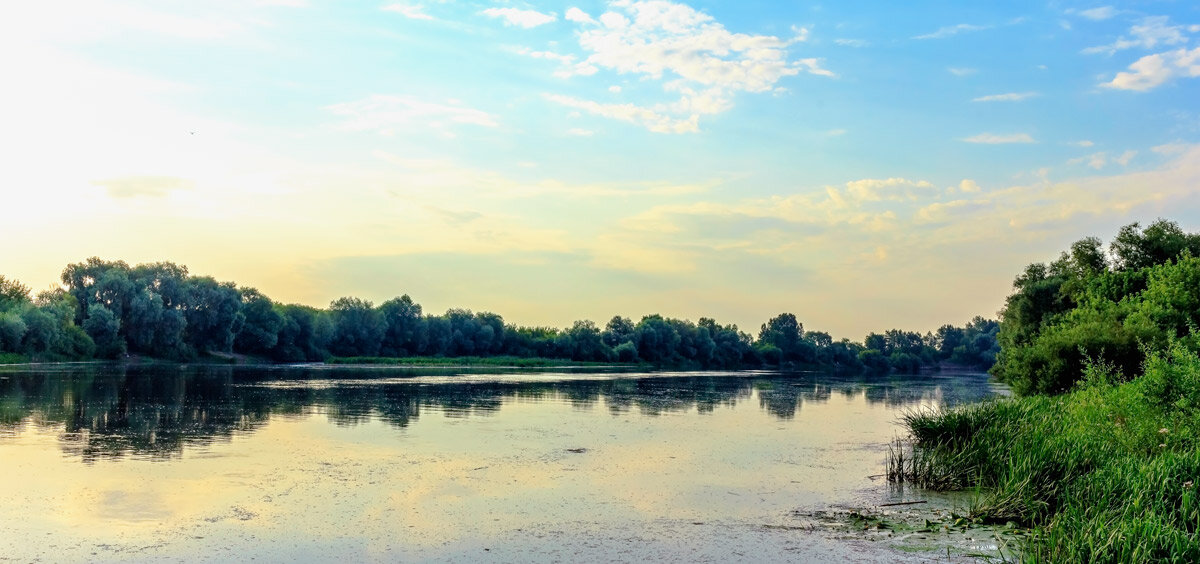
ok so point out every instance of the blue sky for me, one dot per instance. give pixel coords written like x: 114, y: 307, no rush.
x: 864, y: 165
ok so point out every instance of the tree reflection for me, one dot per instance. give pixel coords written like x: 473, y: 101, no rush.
x: 158, y: 411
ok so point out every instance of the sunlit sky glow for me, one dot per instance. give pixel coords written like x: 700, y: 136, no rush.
x: 862, y: 165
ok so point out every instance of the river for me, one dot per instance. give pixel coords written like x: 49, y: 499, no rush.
x: 314, y: 463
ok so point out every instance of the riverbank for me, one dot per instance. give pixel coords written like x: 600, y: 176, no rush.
x: 1107, y: 473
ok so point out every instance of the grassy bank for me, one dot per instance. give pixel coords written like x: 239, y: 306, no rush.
x: 506, y: 361
x: 1107, y: 473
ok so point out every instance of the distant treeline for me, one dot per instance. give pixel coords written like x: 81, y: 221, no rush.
x: 108, y: 309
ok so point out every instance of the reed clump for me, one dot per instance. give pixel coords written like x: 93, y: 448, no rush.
x: 1106, y: 473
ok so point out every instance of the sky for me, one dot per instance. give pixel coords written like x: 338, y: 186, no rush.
x: 863, y: 165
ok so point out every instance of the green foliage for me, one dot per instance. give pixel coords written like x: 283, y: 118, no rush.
x: 1079, y: 308
x: 104, y: 328
x: 261, y: 324
x: 358, y: 328
x: 12, y: 332
x: 13, y: 294
x: 1106, y: 473
x: 159, y: 310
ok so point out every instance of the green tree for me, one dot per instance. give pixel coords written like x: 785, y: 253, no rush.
x: 358, y: 328
x: 13, y: 294
x: 260, y: 326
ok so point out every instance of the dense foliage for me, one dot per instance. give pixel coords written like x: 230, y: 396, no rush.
x: 1113, y: 307
x: 1107, y: 473
x: 109, y: 309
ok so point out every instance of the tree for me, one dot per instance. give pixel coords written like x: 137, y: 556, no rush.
x: 403, y: 319
x: 12, y: 331
x: 12, y: 294
x: 1161, y: 241
x: 212, y: 314
x: 104, y: 329
x: 785, y: 333
x: 358, y: 328
x: 261, y: 323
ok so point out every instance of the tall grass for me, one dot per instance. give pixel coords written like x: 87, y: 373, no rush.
x: 1107, y: 473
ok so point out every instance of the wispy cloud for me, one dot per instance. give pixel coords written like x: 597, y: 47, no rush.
x: 149, y: 186
x: 852, y: 42
x: 1152, y: 71
x: 961, y: 71
x: 1103, y: 159
x: 1009, y: 97
x: 653, y: 119
x: 386, y: 114
x: 520, y: 18
x: 1097, y: 14
x: 952, y: 30
x: 1153, y: 31
x: 411, y: 11
x: 994, y: 139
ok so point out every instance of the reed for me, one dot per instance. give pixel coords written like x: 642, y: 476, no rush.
x: 1106, y: 473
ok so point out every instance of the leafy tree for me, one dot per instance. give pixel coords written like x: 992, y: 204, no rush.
x: 404, y: 324
x: 104, y: 328
x: 13, y: 294
x: 212, y: 314
x: 358, y: 328
x: 786, y: 334
x: 12, y: 331
x: 618, y: 330
x: 261, y: 323
x: 1161, y: 241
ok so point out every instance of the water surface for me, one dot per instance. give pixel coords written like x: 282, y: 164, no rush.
x: 304, y: 463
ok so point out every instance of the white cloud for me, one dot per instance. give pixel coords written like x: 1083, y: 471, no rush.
x: 968, y: 186
x: 650, y: 118
x: 1152, y: 32
x: 614, y: 89
x: 411, y: 11
x: 1152, y: 71
x: 1097, y: 14
x: 852, y: 42
x: 1009, y: 97
x: 689, y: 51
x: 835, y: 132
x: 961, y: 71
x: 993, y: 139
x: 386, y: 114
x: 1170, y: 149
x: 1101, y: 159
x: 578, y: 16
x: 1082, y: 143
x: 1125, y: 157
x: 520, y: 18
x: 889, y: 189
x: 952, y: 30
x: 1094, y: 160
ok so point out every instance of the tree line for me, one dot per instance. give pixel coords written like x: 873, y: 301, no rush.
x: 108, y: 309
x: 1106, y: 309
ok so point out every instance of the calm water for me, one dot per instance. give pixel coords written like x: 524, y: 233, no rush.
x: 287, y: 464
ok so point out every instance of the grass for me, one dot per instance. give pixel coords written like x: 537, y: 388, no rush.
x: 506, y: 361
x: 1107, y: 473
x: 13, y: 358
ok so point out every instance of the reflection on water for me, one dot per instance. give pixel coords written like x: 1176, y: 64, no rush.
x: 113, y: 411
x: 219, y: 463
